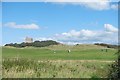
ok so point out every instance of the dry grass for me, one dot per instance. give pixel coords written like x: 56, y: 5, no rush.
x: 54, y: 69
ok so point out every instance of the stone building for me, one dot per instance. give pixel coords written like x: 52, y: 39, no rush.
x: 28, y: 40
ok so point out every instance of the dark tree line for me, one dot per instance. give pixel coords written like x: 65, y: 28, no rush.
x: 107, y: 45
x: 34, y: 44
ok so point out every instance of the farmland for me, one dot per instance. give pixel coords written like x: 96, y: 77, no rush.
x: 84, y: 61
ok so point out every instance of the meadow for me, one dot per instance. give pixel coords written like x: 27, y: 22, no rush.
x: 84, y: 61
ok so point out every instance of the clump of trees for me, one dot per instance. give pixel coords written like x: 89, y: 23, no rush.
x: 34, y: 44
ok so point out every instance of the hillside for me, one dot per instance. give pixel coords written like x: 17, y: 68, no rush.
x: 79, y: 47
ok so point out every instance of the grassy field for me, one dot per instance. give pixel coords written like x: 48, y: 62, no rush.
x: 84, y: 61
x: 91, y: 52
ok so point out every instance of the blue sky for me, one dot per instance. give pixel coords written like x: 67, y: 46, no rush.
x: 63, y: 22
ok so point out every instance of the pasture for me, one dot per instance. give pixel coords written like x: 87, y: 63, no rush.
x: 84, y: 61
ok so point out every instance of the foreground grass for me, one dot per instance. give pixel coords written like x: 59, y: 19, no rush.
x: 84, y: 61
x: 24, y: 68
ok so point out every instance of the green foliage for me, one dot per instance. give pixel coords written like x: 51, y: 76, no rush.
x: 34, y: 44
x: 114, y: 70
x: 95, y: 77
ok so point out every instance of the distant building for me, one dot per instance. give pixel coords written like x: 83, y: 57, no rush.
x: 28, y: 40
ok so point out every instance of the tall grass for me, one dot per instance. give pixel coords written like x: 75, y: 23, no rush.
x: 26, y: 68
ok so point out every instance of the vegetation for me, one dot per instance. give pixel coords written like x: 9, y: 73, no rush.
x: 51, y: 42
x: 25, y: 68
x: 108, y: 45
x: 34, y: 44
x: 47, y: 53
x: 84, y: 61
x: 115, y: 68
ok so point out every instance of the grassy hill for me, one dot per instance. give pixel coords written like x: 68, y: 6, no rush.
x: 79, y: 47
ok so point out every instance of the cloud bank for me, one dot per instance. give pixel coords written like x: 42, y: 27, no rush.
x: 92, y: 4
x: 110, y: 28
x: 87, y: 36
x: 22, y: 26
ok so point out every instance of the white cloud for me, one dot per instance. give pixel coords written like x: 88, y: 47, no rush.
x: 22, y: 26
x: 76, y: 35
x: 71, y: 43
x: 76, y: 0
x: 86, y: 36
x: 110, y: 28
x: 89, y: 36
x: 94, y: 4
x: 44, y: 38
x: 114, y: 6
x: 56, y: 0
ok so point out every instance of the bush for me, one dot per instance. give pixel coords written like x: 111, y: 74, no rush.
x: 115, y: 68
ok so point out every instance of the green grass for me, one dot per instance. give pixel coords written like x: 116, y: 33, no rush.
x: 84, y: 61
x: 38, y: 53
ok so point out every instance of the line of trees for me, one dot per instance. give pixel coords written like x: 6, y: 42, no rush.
x: 34, y: 44
x: 107, y: 45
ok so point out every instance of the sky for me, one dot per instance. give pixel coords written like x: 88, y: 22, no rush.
x: 65, y: 22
